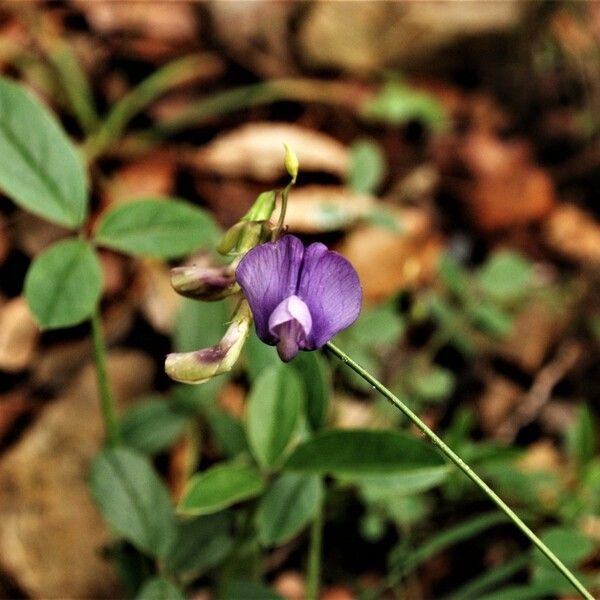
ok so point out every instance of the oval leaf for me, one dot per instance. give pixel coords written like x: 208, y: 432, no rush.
x: 315, y: 377
x: 158, y: 228
x: 64, y: 283
x: 160, y: 588
x: 220, y: 487
x: 40, y: 169
x: 152, y: 425
x: 348, y: 452
x: 273, y: 413
x: 288, y: 506
x: 133, y: 499
x: 200, y: 544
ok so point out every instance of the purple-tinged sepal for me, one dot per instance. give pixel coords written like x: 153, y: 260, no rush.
x: 202, y: 282
x: 202, y: 365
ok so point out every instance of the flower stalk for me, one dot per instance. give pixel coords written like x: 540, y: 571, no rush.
x: 464, y: 467
x: 107, y: 405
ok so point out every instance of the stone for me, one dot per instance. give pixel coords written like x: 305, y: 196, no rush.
x: 51, y: 535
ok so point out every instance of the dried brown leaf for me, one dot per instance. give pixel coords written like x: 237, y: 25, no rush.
x: 388, y: 261
x: 256, y: 150
x: 574, y: 233
x: 319, y: 208
x: 18, y: 335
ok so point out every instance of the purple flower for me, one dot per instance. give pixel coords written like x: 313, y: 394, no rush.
x: 300, y: 297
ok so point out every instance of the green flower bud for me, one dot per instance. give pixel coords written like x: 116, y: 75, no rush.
x: 243, y: 236
x: 291, y: 163
x: 263, y: 207
x: 202, y: 365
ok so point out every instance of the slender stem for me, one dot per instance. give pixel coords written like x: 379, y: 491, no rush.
x: 464, y: 467
x: 109, y: 413
x: 281, y: 220
x: 313, y: 578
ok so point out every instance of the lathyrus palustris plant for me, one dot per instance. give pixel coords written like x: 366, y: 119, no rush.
x: 299, y: 298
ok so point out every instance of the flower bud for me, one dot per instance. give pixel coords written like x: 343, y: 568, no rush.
x: 204, y: 282
x: 243, y: 236
x: 201, y: 365
x: 263, y: 207
x: 291, y: 163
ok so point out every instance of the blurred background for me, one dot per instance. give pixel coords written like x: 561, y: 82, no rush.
x: 451, y: 151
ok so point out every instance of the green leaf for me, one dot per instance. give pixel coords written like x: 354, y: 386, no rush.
x: 315, y: 376
x: 200, y: 544
x: 570, y: 545
x: 454, y: 275
x: 133, y: 499
x: 367, y: 166
x: 378, y: 326
x: 152, y: 425
x: 236, y: 589
x: 491, y: 319
x: 199, y: 324
x: 378, y: 487
x: 433, y: 385
x: 506, y: 276
x: 398, y: 103
x: 220, y: 487
x: 473, y: 589
x: 259, y: 356
x: 64, y: 284
x: 448, y: 537
x: 138, y: 98
x: 581, y: 437
x: 40, y: 169
x: 274, y: 407
x: 360, y: 452
x: 155, y: 227
x: 288, y: 506
x: 530, y: 591
x: 74, y: 83
x: 228, y: 431
x: 159, y: 588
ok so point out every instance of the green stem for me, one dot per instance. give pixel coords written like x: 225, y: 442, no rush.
x: 464, y: 467
x: 313, y: 578
x: 109, y: 413
x: 281, y: 220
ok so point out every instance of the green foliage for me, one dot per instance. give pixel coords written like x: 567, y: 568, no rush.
x: 398, y: 103
x: 362, y: 452
x: 133, y: 499
x: 159, y: 228
x: 249, y: 590
x: 316, y: 380
x: 63, y: 284
x: 581, y: 437
x: 367, y: 166
x: 274, y: 406
x: 220, y: 487
x: 159, y: 588
x: 199, y: 544
x: 287, y: 507
x: 506, y: 276
x: 152, y: 425
x: 40, y: 170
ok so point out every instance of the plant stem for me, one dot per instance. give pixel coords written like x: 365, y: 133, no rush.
x: 464, y: 467
x: 281, y: 220
x: 313, y: 578
x: 109, y: 413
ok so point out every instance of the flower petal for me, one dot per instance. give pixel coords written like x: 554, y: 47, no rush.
x: 291, y: 309
x: 268, y: 274
x: 330, y: 287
